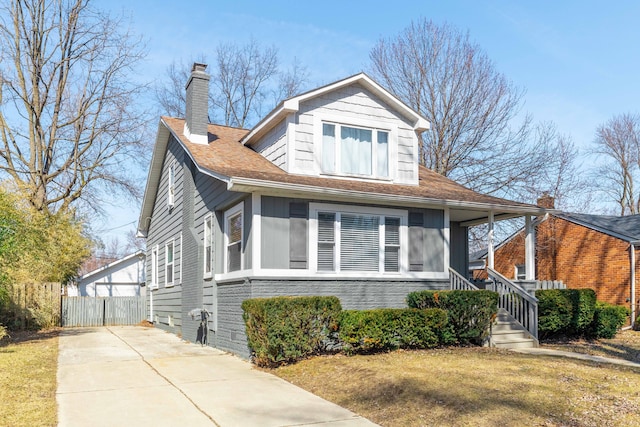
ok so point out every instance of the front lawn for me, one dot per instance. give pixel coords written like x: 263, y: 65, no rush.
x: 473, y: 387
x: 28, y: 367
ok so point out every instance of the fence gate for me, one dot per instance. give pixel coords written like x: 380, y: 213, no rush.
x: 102, y: 311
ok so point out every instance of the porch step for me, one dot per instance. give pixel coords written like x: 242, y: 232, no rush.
x: 506, y: 332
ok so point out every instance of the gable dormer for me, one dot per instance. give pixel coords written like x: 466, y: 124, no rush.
x: 350, y: 129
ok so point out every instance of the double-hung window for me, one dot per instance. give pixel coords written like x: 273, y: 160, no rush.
x: 168, y: 264
x: 208, y: 246
x: 353, y: 150
x: 233, y: 238
x: 359, y: 241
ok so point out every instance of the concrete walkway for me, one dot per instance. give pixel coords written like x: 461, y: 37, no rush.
x: 559, y: 353
x: 135, y: 376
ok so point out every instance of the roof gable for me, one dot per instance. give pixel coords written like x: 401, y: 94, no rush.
x: 292, y: 105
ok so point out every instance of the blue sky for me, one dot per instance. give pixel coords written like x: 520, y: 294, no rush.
x: 577, y: 60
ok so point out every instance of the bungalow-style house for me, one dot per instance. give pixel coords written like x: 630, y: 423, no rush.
x: 583, y: 251
x: 324, y: 196
x: 121, y: 278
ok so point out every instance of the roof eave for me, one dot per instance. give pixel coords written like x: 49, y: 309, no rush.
x: 292, y: 105
x: 248, y: 185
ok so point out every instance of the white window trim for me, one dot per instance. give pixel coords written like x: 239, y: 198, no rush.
x: 208, y: 217
x: 315, y: 208
x: 239, y: 208
x: 154, y: 268
x: 168, y: 284
x: 171, y: 185
x: 356, y: 122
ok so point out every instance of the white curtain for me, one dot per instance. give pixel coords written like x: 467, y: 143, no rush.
x: 355, y: 150
x: 328, y: 148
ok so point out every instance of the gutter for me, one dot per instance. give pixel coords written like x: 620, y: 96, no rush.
x: 632, y: 256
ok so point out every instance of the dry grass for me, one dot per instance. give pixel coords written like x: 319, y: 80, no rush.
x: 473, y: 387
x: 626, y: 345
x: 28, y: 366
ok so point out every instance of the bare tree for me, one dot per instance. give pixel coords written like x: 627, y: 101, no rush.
x: 67, y: 113
x: 618, y: 144
x: 243, y: 77
x: 472, y: 107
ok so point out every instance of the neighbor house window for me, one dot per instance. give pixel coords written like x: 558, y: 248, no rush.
x: 233, y: 238
x: 354, y: 241
x: 355, y: 150
x: 168, y: 264
x: 171, y: 185
x: 154, y: 267
x: 520, y: 272
x: 208, y: 246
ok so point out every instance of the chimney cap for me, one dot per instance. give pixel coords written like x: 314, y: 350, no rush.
x: 197, y: 66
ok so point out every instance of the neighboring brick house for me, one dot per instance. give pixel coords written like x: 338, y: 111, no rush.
x: 584, y: 251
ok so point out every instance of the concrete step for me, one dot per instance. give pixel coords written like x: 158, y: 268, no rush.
x: 514, y: 343
x: 507, y: 334
x: 506, y: 326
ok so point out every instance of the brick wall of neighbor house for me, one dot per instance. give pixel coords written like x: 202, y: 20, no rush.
x: 579, y: 256
x: 354, y: 294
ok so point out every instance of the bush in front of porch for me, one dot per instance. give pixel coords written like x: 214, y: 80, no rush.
x: 469, y: 312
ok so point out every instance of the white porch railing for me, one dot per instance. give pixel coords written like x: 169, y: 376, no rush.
x: 516, y: 301
x: 459, y: 283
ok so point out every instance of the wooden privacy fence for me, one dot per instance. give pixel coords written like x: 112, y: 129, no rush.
x: 102, y: 311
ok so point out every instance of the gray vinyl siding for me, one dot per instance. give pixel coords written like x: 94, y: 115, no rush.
x: 273, y: 146
x: 353, y: 295
x: 166, y: 225
x: 354, y: 102
x: 459, y: 258
x: 192, y: 277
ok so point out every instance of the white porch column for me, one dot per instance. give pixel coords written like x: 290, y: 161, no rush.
x: 529, y: 249
x: 490, y: 242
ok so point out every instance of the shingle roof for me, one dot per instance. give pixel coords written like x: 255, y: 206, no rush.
x: 626, y: 227
x: 226, y: 156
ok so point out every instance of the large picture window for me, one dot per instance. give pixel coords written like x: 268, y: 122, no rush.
x: 359, y: 242
x: 233, y: 237
x: 354, y: 150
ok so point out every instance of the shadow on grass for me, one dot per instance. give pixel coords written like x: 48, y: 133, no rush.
x: 18, y: 337
x: 614, y: 348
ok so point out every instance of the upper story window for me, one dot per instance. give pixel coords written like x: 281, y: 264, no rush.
x: 233, y: 238
x: 171, y: 191
x: 352, y: 150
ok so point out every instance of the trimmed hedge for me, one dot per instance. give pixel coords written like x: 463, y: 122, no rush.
x: 286, y: 329
x: 608, y: 318
x: 365, y: 331
x: 469, y: 312
x: 567, y: 312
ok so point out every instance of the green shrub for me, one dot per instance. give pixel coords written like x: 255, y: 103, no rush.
x: 566, y: 312
x: 608, y: 319
x: 286, y: 329
x: 470, y: 313
x: 364, y: 331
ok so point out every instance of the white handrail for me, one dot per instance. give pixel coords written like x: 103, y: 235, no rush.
x: 517, y: 301
x: 459, y: 282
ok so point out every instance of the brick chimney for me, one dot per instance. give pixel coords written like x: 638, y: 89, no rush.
x: 546, y: 201
x: 197, y: 108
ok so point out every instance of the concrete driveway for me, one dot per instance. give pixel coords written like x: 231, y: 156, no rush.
x: 135, y: 376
